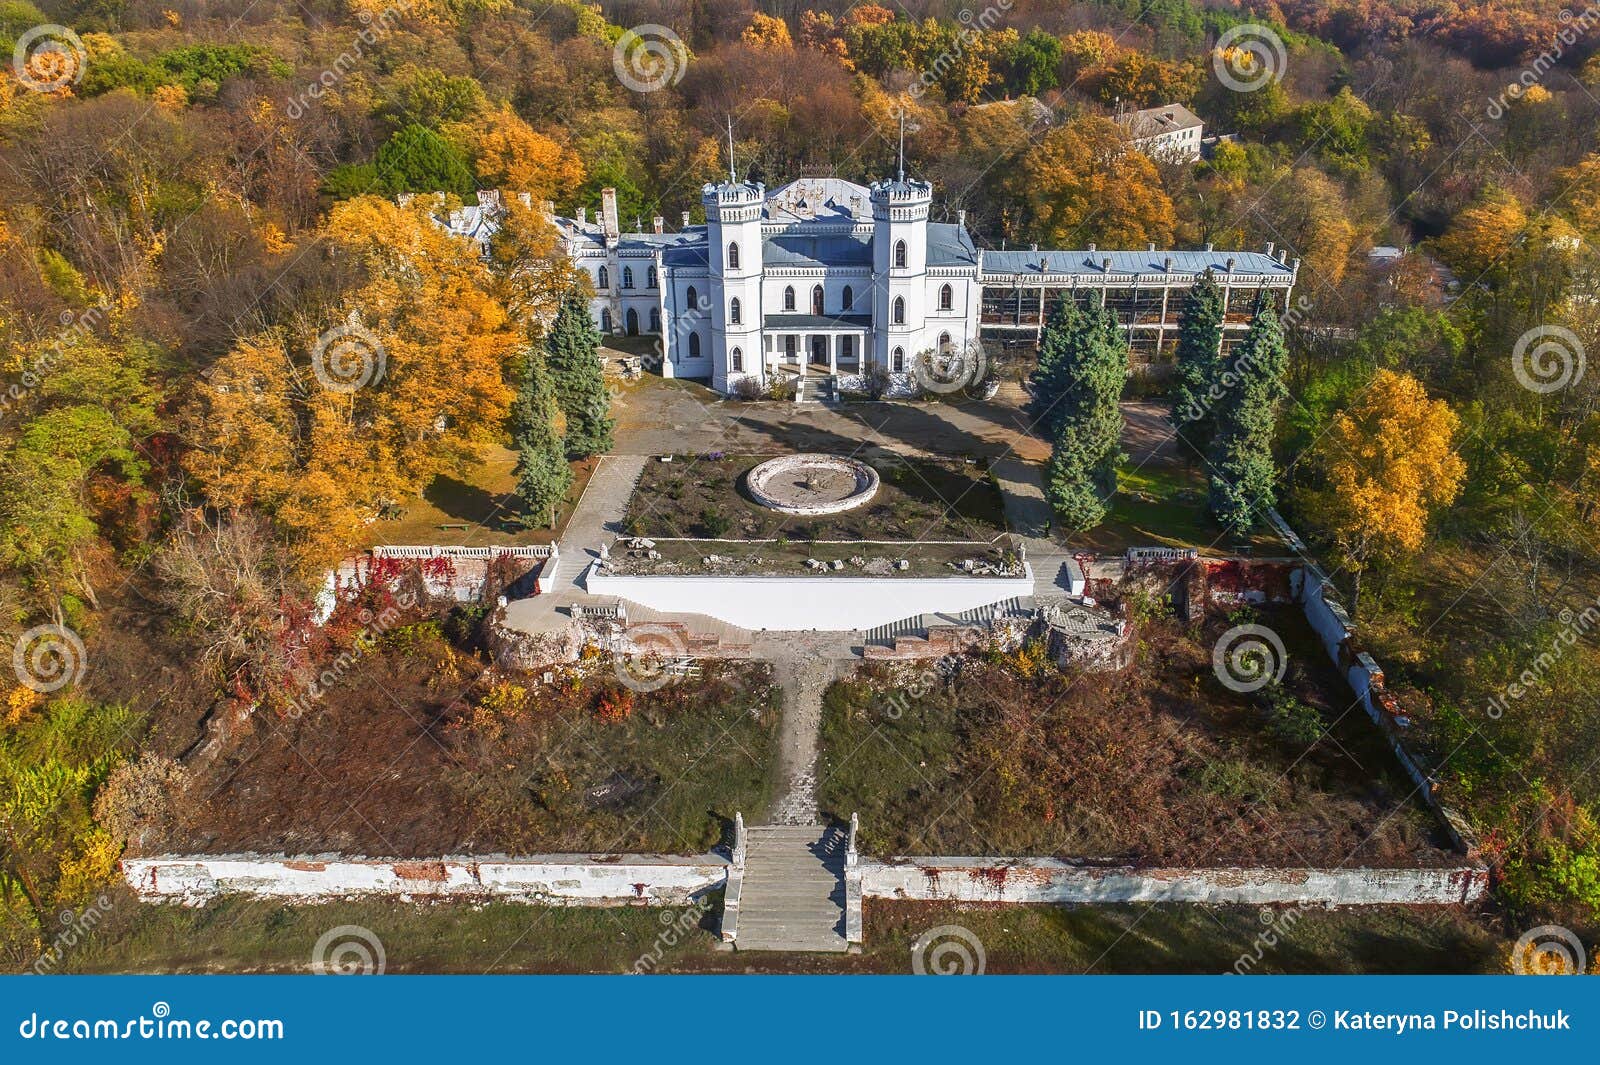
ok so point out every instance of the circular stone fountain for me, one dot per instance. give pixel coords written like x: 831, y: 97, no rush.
x: 812, y: 485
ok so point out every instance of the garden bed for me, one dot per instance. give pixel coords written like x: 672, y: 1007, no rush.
x: 787, y: 558
x: 1158, y: 764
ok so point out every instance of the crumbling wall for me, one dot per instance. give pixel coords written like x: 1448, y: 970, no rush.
x: 556, y: 879
x: 1048, y: 880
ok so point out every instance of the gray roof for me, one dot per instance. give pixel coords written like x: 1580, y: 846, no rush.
x: 1154, y: 121
x: 822, y: 199
x: 1131, y: 262
x: 817, y: 321
x: 796, y: 248
x: 950, y: 245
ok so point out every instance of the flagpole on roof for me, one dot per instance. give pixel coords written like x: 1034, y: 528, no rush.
x: 733, y: 178
x: 902, y: 171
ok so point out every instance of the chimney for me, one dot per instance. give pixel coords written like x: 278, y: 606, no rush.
x: 1105, y: 265
x: 1231, y: 261
x: 1283, y: 255
x: 1210, y: 247
x: 1091, y: 247
x: 685, y: 221
x: 583, y: 217
x: 547, y: 210
x: 658, y: 224
x: 1270, y: 246
x: 608, y: 213
x: 961, y: 218
x: 1033, y: 247
x: 1152, y: 246
x: 526, y: 199
x: 1166, y: 264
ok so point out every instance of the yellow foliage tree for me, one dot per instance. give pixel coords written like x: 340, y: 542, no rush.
x: 1482, y: 235
x: 768, y: 33
x: 1084, y: 183
x: 321, y: 424
x: 1387, y: 464
x: 510, y: 154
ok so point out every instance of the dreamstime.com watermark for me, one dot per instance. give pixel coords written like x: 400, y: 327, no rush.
x: 76, y: 326
x: 649, y: 57
x: 650, y: 657
x: 1548, y: 358
x: 349, y: 950
x: 948, y: 950
x: 966, y: 37
x: 47, y: 658
x: 676, y: 924
x: 1249, y: 57
x: 76, y: 927
x: 1247, y: 658
x: 374, y: 28
x: 348, y: 357
x: 49, y: 58
x: 1574, y: 626
x: 1224, y: 382
x: 157, y: 1024
x: 897, y: 702
x: 373, y: 628
x: 1574, y: 27
x: 1549, y: 950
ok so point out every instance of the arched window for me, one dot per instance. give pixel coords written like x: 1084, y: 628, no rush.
x: 632, y: 320
x: 694, y: 345
x: 849, y: 298
x: 733, y: 311
x: 788, y: 298
x: 944, y: 341
x: 736, y: 361
x: 655, y: 319
x: 650, y: 278
x: 733, y: 256
x: 816, y: 300
x: 627, y: 277
x: 602, y: 279
x: 897, y: 361
x: 693, y: 299
x: 899, y: 317
x: 900, y: 255
x: 605, y: 319
x: 947, y: 297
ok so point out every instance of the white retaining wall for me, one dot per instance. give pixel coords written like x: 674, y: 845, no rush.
x: 1053, y: 881
x: 826, y: 603
x: 553, y: 879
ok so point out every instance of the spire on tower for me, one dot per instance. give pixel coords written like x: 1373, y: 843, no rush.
x: 902, y: 171
x: 733, y: 178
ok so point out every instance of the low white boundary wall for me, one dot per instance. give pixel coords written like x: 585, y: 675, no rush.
x: 1055, y: 881
x: 554, y: 879
x: 825, y: 603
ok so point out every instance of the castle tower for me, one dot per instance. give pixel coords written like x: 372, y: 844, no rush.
x: 733, y: 239
x: 899, y: 266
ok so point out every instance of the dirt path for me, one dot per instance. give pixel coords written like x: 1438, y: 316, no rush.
x: 803, y: 679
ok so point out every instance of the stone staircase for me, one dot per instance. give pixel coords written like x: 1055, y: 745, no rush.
x: 793, y: 893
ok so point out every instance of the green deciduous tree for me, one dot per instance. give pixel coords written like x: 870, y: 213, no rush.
x: 1199, y: 340
x: 1243, y: 473
x: 573, y: 358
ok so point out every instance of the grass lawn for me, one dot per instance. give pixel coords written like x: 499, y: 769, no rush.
x: 1164, y: 505
x: 248, y: 935
x: 475, y: 509
x: 917, y: 499
x: 1156, y: 765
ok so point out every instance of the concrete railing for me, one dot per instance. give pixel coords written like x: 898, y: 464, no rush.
x: 734, y: 886
x: 447, y: 551
x: 854, y: 917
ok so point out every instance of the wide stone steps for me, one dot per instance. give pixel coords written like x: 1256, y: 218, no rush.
x: 793, y: 892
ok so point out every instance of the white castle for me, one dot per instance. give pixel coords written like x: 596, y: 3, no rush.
x: 826, y: 277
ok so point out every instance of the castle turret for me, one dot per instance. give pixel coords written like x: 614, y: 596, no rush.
x: 733, y: 238
x: 899, y: 267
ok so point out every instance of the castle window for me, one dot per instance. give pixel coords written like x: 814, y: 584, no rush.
x: 733, y: 256
x: 650, y: 278
x: 944, y: 341
x: 947, y: 297
x: 897, y: 361
x: 605, y: 319
x: 900, y: 255
x: 788, y: 298
x: 849, y: 297
x: 693, y: 298
x: 899, y: 317
x: 694, y: 345
x: 816, y: 300
x: 602, y: 279
x: 655, y: 319
x: 627, y: 277
x: 733, y: 311
x: 736, y: 360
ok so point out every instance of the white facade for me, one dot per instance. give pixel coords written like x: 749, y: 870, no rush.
x: 820, y: 276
